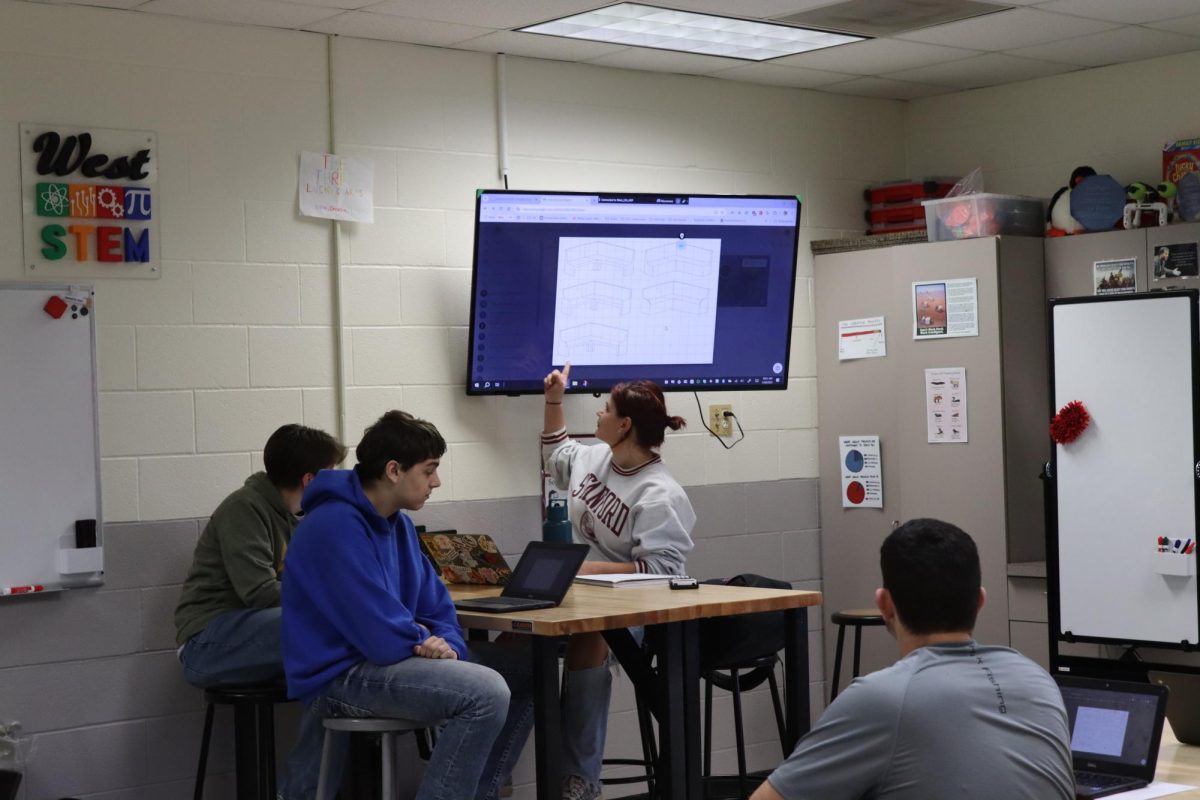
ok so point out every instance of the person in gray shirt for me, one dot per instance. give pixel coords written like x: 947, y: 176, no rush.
x: 952, y: 718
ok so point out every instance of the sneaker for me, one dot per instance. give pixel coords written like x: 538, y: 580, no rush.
x: 575, y: 787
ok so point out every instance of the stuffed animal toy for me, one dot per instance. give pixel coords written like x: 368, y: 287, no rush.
x: 1145, y: 208
x: 1059, y: 221
x: 1168, y: 192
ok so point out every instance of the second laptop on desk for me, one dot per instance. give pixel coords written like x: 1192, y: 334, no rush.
x: 1115, y: 732
x: 540, y: 579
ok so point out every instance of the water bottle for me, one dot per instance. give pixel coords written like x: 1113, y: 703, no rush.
x: 557, y: 527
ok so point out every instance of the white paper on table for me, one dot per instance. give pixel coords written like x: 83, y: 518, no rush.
x: 1155, y: 789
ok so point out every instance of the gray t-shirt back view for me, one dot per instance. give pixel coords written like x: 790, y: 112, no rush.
x: 946, y: 722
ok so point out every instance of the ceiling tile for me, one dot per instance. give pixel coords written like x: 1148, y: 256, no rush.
x: 1112, y: 47
x: 536, y: 45
x: 344, y: 5
x: 121, y: 4
x: 506, y: 14
x: 875, y: 56
x: 986, y: 70
x: 397, y: 29
x: 774, y: 75
x: 1129, y: 11
x: 271, y: 13
x: 650, y: 60
x: 1187, y: 25
x: 1004, y: 30
x: 888, y: 89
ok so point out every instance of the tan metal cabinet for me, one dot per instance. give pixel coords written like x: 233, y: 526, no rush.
x: 989, y: 485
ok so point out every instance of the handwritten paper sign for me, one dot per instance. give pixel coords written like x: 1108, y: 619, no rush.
x: 337, y: 187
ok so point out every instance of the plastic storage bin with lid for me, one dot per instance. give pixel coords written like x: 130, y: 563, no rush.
x: 970, y: 216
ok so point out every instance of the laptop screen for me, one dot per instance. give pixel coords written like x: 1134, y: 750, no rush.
x: 1115, y: 726
x: 545, y: 571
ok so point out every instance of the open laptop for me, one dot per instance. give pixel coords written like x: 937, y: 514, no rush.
x: 465, y: 557
x: 1115, y: 731
x: 1183, y: 703
x: 540, y: 580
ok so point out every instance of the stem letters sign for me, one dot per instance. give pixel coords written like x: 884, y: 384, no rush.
x: 87, y: 202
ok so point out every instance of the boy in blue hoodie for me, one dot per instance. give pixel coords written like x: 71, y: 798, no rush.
x: 370, y: 630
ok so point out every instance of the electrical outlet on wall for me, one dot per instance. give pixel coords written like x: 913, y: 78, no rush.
x: 720, y: 424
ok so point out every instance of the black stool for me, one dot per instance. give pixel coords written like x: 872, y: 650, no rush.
x: 253, y: 736
x: 649, y: 753
x: 737, y: 678
x: 858, y: 618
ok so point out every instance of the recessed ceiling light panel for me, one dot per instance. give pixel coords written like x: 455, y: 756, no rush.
x: 637, y: 25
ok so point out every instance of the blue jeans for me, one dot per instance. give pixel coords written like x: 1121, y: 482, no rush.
x: 487, y: 706
x: 236, y: 647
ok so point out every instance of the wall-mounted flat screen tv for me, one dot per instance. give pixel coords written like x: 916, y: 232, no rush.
x: 691, y: 291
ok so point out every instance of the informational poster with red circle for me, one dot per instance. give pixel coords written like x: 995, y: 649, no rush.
x: 862, y: 472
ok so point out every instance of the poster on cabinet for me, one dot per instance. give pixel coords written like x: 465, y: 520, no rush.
x: 946, y: 405
x: 861, y: 338
x: 862, y: 472
x: 1116, y: 276
x: 945, y: 309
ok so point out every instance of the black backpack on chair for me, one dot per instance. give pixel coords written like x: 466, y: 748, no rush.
x: 728, y: 641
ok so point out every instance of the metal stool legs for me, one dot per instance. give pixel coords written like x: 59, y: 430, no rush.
x: 858, y: 618
x: 837, y: 662
x: 254, y: 737
x: 206, y: 737
x: 737, y: 675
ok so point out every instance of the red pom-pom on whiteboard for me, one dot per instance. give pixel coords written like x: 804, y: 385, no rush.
x: 1070, y: 421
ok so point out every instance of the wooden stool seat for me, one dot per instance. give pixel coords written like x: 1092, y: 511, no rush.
x: 857, y: 618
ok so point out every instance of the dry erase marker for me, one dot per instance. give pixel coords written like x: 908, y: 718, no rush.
x: 37, y: 587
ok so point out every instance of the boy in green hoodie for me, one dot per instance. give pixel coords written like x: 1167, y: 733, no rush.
x: 228, y: 619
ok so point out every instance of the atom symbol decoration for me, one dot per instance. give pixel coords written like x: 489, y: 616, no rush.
x: 54, y: 199
x: 107, y: 198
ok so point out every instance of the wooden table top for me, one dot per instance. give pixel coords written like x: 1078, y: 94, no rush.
x: 599, y: 608
x: 1178, y: 763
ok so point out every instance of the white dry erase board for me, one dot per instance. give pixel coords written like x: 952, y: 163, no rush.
x: 1131, y: 476
x: 49, y: 447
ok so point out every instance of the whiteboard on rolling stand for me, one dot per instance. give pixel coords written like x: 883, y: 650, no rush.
x: 1131, y: 476
x: 49, y: 443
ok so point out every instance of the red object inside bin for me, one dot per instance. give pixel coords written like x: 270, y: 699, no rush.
x: 907, y: 192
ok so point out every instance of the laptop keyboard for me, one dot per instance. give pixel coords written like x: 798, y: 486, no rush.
x: 1096, y: 780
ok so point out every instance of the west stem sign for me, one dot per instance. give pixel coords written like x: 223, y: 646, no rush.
x: 88, y: 202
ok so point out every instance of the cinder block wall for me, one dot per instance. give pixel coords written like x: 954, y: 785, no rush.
x: 236, y: 337
x: 93, y: 675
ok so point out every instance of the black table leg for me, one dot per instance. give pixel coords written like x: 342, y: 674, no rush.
x: 672, y: 720
x: 690, y: 645
x: 547, y: 717
x: 795, y: 674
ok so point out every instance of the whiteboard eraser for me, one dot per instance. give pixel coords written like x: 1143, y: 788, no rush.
x: 1179, y: 564
x: 76, y: 560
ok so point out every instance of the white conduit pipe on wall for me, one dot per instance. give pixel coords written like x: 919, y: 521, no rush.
x: 339, y: 362
x: 501, y: 119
